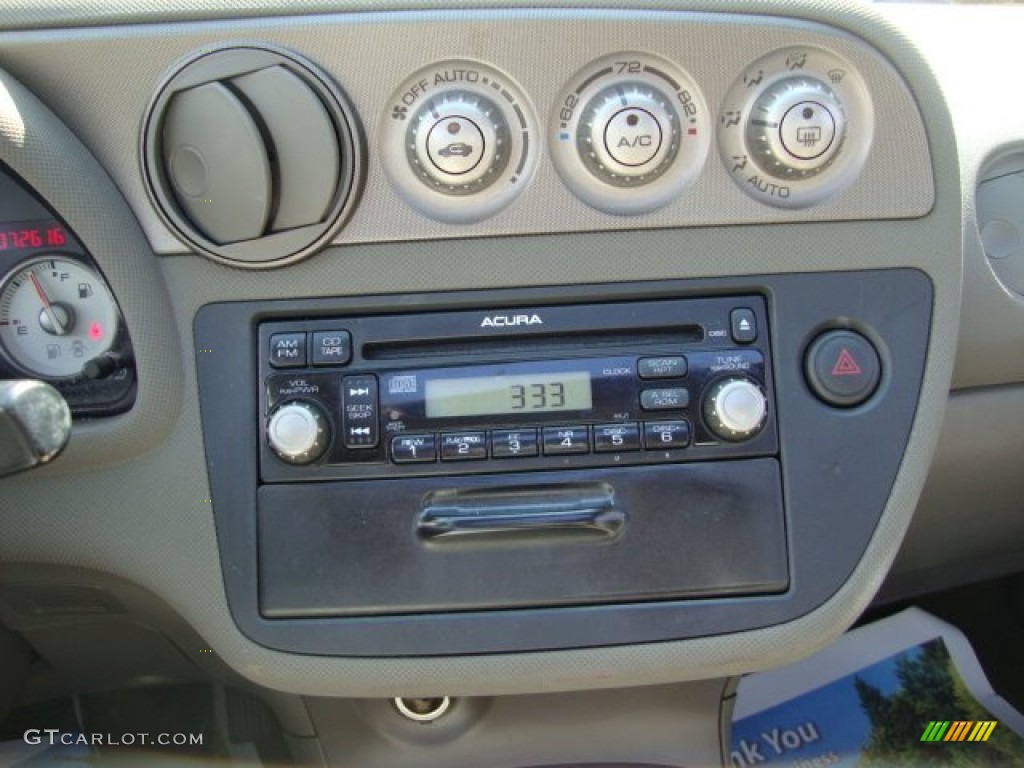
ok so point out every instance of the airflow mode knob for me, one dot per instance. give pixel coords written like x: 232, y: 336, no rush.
x: 252, y: 156
x: 796, y: 127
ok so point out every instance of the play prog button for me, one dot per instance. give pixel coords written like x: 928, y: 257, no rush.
x: 842, y: 368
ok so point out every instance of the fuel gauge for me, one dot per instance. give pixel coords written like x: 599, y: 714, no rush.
x: 55, y: 315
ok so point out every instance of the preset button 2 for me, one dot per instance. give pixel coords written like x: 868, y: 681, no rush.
x: 463, y: 446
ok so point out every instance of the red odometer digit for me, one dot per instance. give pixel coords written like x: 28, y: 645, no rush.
x: 30, y: 238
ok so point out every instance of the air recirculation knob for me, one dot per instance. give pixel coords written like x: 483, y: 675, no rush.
x: 252, y: 156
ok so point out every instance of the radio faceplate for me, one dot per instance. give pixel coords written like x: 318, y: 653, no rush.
x: 524, y: 389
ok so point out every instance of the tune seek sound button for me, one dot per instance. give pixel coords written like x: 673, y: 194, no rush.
x: 842, y: 368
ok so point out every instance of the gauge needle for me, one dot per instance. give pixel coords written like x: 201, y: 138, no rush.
x: 59, y: 328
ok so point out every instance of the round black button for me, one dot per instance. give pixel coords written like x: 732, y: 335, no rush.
x: 842, y: 368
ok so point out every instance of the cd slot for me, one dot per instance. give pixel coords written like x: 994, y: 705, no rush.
x: 562, y: 342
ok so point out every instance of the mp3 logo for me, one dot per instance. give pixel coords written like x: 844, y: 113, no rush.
x: 502, y: 321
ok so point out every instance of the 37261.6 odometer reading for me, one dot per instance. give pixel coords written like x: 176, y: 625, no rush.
x: 486, y: 395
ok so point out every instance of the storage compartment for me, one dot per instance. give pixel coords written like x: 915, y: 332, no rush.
x: 569, y: 538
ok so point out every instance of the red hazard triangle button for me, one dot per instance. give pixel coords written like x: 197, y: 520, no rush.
x: 846, y: 365
x: 843, y: 368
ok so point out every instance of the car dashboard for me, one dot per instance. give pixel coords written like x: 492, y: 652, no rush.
x: 597, y: 355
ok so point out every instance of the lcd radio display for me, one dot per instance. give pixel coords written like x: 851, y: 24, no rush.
x: 525, y: 393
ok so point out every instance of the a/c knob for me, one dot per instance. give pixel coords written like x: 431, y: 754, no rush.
x: 735, y: 409
x: 298, y: 432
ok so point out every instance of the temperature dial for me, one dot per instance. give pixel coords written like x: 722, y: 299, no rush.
x: 735, y: 409
x: 55, y: 316
x: 630, y: 133
x: 298, y: 433
x: 796, y: 128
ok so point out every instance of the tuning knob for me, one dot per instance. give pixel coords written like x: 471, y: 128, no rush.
x: 735, y: 409
x: 796, y: 128
x: 298, y: 432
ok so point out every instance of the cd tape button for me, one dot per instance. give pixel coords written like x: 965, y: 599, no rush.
x: 512, y: 443
x: 666, y: 435
x: 664, y: 399
x: 561, y: 440
x: 611, y: 438
x: 287, y: 350
x: 412, y: 449
x: 331, y: 347
x: 463, y: 446
x: 360, y: 420
x: 662, y: 367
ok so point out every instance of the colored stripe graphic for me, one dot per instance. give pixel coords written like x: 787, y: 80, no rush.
x: 935, y: 730
x: 959, y: 730
x: 954, y: 731
x: 984, y: 734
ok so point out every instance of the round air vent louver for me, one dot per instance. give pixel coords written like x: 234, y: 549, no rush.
x: 252, y: 156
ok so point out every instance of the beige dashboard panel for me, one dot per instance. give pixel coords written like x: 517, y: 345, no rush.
x: 132, y: 497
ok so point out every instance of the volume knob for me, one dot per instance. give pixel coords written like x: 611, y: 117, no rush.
x: 298, y: 432
x: 735, y: 409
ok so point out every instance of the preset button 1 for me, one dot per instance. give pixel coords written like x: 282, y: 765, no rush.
x: 413, y: 449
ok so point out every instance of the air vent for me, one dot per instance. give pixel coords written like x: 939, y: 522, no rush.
x: 252, y: 156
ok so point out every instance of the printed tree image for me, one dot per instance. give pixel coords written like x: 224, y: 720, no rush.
x: 930, y: 689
